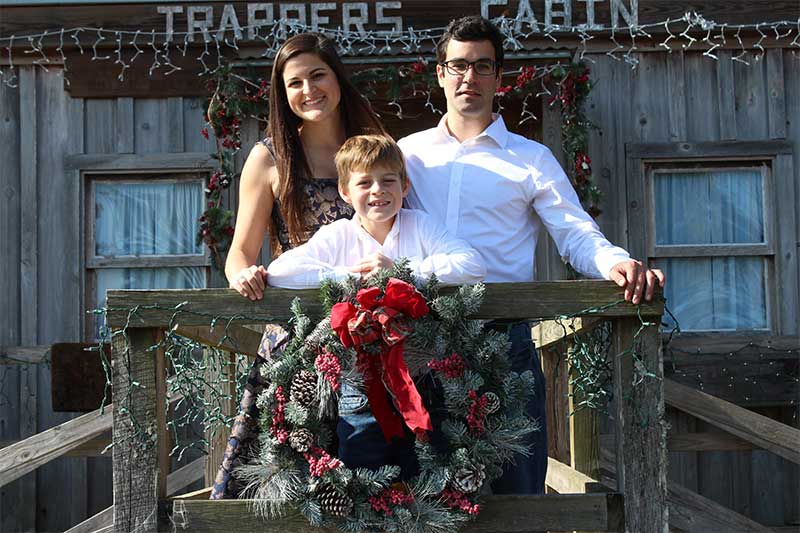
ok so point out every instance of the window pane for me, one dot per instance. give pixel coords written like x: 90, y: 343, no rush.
x: 145, y: 278
x: 724, y: 293
x: 714, y: 207
x: 147, y: 218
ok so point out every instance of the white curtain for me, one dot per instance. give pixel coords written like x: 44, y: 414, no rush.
x: 142, y: 219
x: 713, y: 207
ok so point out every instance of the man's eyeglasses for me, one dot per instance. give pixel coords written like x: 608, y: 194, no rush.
x: 481, y: 67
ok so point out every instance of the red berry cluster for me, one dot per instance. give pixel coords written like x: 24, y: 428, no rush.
x: 278, y: 428
x: 455, y: 499
x: 505, y: 89
x: 319, y: 462
x: 451, y: 366
x: 525, y: 76
x: 476, y: 417
x: 330, y: 367
x: 583, y: 168
x: 381, y: 502
x: 418, y: 67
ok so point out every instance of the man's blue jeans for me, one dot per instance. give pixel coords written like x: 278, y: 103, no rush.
x: 361, y: 442
x: 526, y: 475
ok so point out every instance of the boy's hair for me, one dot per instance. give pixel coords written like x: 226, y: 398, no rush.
x: 471, y: 28
x: 363, y: 152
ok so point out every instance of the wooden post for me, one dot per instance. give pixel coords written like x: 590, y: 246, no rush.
x: 584, y: 436
x: 217, y: 437
x: 640, y: 425
x: 135, y: 455
x: 162, y: 442
x: 556, y: 376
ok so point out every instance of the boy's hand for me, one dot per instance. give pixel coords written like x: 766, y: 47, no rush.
x: 370, y: 265
x: 250, y: 282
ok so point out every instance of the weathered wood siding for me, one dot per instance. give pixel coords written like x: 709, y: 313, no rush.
x: 42, y: 265
x: 684, y: 96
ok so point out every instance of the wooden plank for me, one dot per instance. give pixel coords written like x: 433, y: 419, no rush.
x: 723, y: 149
x: 567, y: 480
x: 691, y: 512
x: 10, y: 355
x: 584, y: 436
x: 193, y: 140
x: 162, y: 441
x: 102, y: 125
x: 716, y: 348
x: 776, y: 98
x: 502, y: 300
x: 708, y: 441
x: 556, y: 333
x: 778, y: 438
x: 548, y: 262
x: 90, y: 448
x: 556, y: 376
x: 217, y: 436
x: 237, y: 338
x: 175, y: 481
x: 189, y: 161
x: 751, y: 100
x: 175, y: 121
x: 125, y: 126
x: 135, y: 460
x: 726, y: 96
x: 651, y: 98
x: 788, y: 245
x: 676, y: 96
x: 640, y: 425
x: 202, y: 494
x: 41, y: 448
x: 702, y: 95
x: 151, y: 125
x: 595, y: 512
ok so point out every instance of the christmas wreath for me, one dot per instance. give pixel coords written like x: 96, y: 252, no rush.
x: 378, y: 337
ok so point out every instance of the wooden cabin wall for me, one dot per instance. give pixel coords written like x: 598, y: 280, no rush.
x: 41, y: 264
x: 684, y: 96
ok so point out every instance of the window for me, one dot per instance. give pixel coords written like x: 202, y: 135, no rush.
x: 140, y: 217
x: 714, y: 217
x: 142, y: 234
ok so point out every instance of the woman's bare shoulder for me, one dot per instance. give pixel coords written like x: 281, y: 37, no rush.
x: 260, y: 166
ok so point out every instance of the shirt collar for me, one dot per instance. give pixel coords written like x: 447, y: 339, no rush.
x: 363, y: 234
x: 497, y: 130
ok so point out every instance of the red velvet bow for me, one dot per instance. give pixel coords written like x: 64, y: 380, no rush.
x: 387, y: 319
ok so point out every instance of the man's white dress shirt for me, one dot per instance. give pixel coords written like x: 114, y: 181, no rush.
x: 343, y: 244
x: 496, y: 191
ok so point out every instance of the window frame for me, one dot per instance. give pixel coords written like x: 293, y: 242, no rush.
x: 130, y: 168
x: 775, y: 159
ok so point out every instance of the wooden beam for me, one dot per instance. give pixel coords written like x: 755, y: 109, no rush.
x: 10, y: 355
x: 202, y: 494
x: 29, y: 454
x: 91, y: 448
x: 691, y: 512
x: 552, y: 332
x: 566, y: 480
x: 175, y: 481
x: 709, y: 441
x: 135, y: 457
x: 593, y: 512
x: 641, y: 450
x: 501, y: 301
x: 217, y: 436
x: 231, y: 337
x: 778, y: 438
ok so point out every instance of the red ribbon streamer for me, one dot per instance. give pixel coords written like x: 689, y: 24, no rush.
x: 386, y: 320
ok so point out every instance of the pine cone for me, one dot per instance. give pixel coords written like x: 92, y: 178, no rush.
x: 469, y: 480
x: 304, y: 388
x: 301, y: 440
x: 492, y: 402
x: 334, y: 503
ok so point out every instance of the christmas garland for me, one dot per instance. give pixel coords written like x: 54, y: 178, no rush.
x: 374, y: 337
x: 237, y: 96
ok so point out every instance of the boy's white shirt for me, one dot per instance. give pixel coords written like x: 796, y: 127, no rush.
x: 337, y: 247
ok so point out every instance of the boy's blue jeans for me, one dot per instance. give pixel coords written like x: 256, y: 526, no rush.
x: 361, y: 442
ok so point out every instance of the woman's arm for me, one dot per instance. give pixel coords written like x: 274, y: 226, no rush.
x: 256, y: 197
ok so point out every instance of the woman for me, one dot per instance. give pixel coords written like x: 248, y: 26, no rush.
x: 288, y: 190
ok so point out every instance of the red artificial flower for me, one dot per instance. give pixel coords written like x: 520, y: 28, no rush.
x: 405, y: 298
x: 204, y: 132
x: 418, y: 67
x: 503, y: 90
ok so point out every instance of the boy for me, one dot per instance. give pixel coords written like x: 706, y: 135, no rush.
x: 373, y: 179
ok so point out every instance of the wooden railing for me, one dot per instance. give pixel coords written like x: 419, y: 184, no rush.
x: 140, y: 474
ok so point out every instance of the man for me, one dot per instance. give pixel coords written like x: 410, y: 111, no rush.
x: 496, y: 190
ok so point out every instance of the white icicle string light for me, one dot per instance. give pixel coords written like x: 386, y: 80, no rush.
x: 408, y: 41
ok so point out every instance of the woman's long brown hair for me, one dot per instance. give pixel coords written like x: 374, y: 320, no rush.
x: 293, y: 169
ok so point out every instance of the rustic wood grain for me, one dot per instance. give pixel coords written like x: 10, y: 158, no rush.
x: 725, y: 149
x: 236, y: 338
x: 595, y: 512
x: 502, y: 301
x: 640, y: 426
x: 726, y: 96
x: 41, y: 448
x: 764, y: 432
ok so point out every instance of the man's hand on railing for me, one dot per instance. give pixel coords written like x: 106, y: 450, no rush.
x: 636, y: 279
